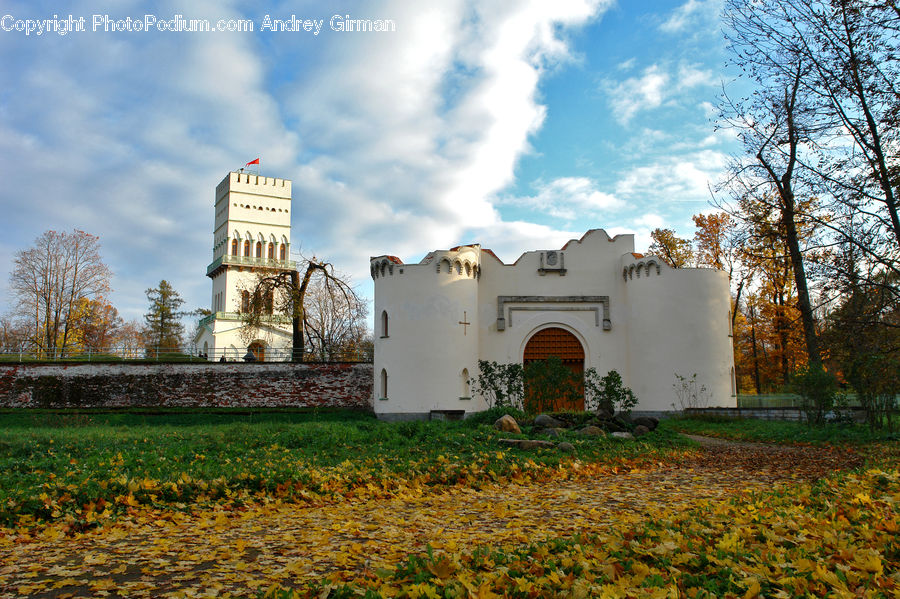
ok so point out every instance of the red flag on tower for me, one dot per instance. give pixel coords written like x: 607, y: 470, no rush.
x: 252, y: 162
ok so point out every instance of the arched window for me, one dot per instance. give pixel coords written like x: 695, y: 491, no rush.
x: 281, y: 252
x: 245, y: 301
x: 271, y: 251
x: 259, y: 249
x: 234, y: 247
x: 270, y: 301
x: 733, y: 382
x: 466, y: 391
x: 247, y: 248
x: 384, y: 389
x: 384, y: 323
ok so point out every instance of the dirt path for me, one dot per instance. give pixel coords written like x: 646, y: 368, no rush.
x: 216, y: 553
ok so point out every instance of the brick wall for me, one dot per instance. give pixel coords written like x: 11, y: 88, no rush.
x: 233, y: 384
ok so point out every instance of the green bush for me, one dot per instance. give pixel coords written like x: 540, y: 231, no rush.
x: 607, y: 393
x: 817, y: 389
x: 499, y: 384
x: 491, y: 415
x: 550, y: 385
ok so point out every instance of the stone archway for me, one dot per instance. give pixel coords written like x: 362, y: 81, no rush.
x: 558, y: 342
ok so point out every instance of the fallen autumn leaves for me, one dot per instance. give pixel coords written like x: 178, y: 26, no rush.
x: 735, y: 519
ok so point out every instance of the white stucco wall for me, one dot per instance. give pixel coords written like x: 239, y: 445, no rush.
x: 658, y: 324
x: 678, y: 322
x: 250, y: 208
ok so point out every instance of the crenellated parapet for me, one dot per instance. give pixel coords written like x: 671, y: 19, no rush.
x: 382, y: 266
x: 636, y: 266
x: 460, y: 262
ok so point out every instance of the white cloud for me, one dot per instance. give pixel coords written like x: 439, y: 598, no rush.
x: 395, y: 142
x: 675, y: 179
x: 440, y: 118
x: 655, y: 86
x: 649, y: 221
x: 692, y: 15
x: 568, y: 198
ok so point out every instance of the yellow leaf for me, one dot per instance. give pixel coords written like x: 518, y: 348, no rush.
x: 871, y: 562
x: 752, y: 590
x: 442, y: 568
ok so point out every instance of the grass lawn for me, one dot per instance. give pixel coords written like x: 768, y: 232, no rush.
x: 263, y: 500
x: 778, y: 431
x: 84, y: 466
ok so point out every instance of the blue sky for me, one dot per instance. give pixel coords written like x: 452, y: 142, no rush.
x: 515, y: 124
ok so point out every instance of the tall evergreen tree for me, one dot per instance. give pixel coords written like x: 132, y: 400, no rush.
x: 163, y: 321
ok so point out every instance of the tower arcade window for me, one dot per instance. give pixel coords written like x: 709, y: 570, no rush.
x: 247, y: 248
x: 234, y: 247
x: 384, y: 323
x: 271, y: 251
x: 259, y: 249
x: 281, y: 252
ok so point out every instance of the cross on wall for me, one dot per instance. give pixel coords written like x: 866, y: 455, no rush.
x: 464, y: 323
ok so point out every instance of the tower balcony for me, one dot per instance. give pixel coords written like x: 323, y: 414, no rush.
x: 236, y: 317
x: 248, y: 261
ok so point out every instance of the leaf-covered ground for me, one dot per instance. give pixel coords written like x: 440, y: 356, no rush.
x: 739, y: 519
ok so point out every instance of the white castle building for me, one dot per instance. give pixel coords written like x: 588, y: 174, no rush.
x: 593, y: 303
x: 252, y: 233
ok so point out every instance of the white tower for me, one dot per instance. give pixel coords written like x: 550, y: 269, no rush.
x: 252, y: 232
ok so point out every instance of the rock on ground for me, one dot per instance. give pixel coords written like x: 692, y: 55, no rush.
x: 527, y: 443
x: 507, y: 424
x: 592, y: 431
x: 547, y: 421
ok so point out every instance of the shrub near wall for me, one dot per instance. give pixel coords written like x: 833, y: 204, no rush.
x: 342, y: 385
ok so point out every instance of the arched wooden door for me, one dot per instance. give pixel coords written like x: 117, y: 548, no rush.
x: 562, y: 344
x: 258, y: 349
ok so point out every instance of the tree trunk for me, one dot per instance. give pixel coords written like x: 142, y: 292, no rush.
x: 297, y: 319
x: 803, y: 304
x: 755, y: 354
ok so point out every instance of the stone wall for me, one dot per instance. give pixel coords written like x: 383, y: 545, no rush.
x: 234, y: 384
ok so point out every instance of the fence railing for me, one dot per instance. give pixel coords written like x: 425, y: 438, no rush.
x: 251, y: 261
x: 185, y: 354
x: 790, y: 400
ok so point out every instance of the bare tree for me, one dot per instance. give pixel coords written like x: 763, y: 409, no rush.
x: 780, y: 126
x: 130, y: 339
x: 14, y: 334
x: 316, y: 299
x: 334, y: 322
x: 51, y: 278
x: 850, y: 52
